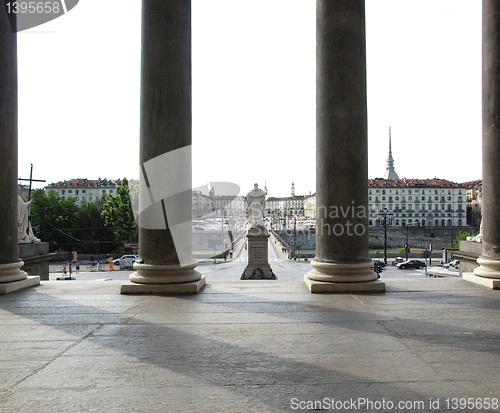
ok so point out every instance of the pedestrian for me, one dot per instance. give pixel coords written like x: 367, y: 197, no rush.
x: 225, y: 255
x: 231, y: 253
x: 78, y: 268
x: 64, y: 269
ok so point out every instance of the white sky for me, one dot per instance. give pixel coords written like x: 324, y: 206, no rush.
x: 253, y: 91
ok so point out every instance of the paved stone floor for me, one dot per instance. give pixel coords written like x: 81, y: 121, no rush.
x: 249, y: 346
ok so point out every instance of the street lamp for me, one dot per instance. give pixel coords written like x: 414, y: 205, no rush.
x: 385, y: 214
x: 407, y: 247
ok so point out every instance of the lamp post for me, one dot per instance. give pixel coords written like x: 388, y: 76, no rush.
x: 385, y: 214
x: 407, y: 247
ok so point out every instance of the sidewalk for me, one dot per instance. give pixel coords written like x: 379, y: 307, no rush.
x: 253, y: 346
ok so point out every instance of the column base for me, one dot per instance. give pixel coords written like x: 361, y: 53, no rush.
x: 342, y: 272
x: 164, y: 279
x: 318, y: 287
x: 488, y: 268
x: 192, y: 287
x: 12, y: 272
x: 329, y: 277
x: 491, y: 283
x: 9, y: 287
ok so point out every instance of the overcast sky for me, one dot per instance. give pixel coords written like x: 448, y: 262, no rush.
x: 253, y: 91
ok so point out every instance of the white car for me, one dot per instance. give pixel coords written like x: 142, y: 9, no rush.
x: 125, y: 261
x: 452, y: 264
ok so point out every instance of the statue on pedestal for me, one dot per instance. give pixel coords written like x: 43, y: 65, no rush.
x: 478, y: 237
x: 258, y: 267
x: 256, y: 200
x: 25, y: 232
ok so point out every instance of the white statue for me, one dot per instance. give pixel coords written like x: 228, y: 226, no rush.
x: 479, y: 237
x: 256, y: 200
x: 25, y: 232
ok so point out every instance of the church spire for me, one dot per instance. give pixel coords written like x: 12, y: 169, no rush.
x: 390, y: 173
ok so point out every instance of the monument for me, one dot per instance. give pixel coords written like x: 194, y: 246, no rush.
x: 34, y: 253
x: 25, y: 232
x: 258, y: 267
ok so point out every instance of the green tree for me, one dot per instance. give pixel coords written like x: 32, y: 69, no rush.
x: 90, y: 229
x: 462, y: 236
x: 118, y: 215
x: 52, y: 220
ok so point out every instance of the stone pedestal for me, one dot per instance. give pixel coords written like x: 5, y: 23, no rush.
x: 342, y: 260
x: 258, y: 267
x: 36, y: 259
x: 488, y: 272
x: 468, y: 254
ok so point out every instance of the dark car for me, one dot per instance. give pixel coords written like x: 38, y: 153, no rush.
x: 411, y: 264
x: 378, y: 262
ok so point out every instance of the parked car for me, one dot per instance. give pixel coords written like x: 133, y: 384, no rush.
x: 452, y: 264
x: 378, y: 262
x: 411, y: 264
x: 125, y: 258
x: 397, y: 260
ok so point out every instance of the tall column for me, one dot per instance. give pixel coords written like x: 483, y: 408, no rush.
x: 11, y: 276
x: 165, y: 252
x: 489, y: 261
x: 342, y: 262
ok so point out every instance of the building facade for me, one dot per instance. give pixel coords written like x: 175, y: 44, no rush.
x: 414, y: 202
x: 474, y: 202
x: 84, y: 190
x: 417, y: 202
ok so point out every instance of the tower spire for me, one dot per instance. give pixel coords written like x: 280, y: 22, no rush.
x: 390, y: 173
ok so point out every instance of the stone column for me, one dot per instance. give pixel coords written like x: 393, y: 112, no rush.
x: 488, y: 272
x: 11, y: 276
x: 342, y: 262
x: 165, y: 261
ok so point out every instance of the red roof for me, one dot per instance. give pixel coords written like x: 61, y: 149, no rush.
x: 86, y: 183
x: 412, y: 183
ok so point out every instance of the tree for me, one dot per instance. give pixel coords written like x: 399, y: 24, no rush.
x: 89, y: 228
x: 118, y: 215
x: 462, y: 236
x: 52, y: 219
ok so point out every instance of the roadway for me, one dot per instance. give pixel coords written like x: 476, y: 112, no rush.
x: 231, y: 270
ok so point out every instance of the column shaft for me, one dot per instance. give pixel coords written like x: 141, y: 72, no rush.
x: 490, y: 258
x: 9, y: 258
x: 341, y: 144
x: 165, y: 148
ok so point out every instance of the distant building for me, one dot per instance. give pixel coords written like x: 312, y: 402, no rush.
x: 417, y: 202
x: 310, y: 206
x: 84, y: 190
x: 286, y: 206
x: 23, y: 191
x: 474, y: 194
x: 230, y: 206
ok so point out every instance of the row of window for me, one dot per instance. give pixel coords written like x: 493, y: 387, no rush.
x: 416, y: 191
x: 410, y: 198
x: 403, y: 207
x: 418, y: 223
x: 449, y: 214
x: 77, y: 198
x: 83, y: 191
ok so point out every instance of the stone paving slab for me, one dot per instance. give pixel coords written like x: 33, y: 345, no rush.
x: 239, y: 346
